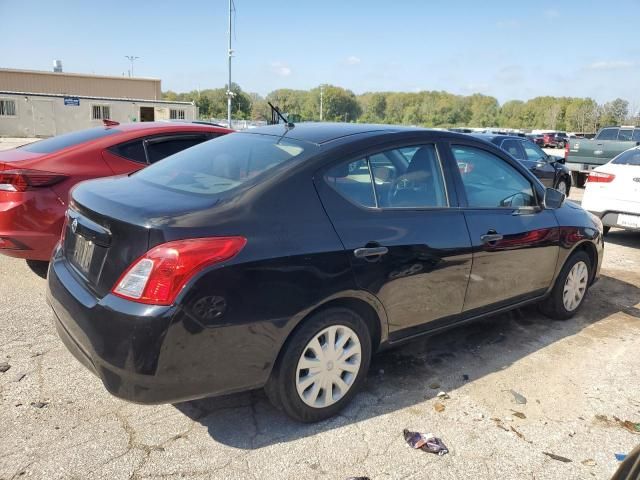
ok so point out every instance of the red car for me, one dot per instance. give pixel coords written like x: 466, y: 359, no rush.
x: 35, y: 179
x: 554, y: 140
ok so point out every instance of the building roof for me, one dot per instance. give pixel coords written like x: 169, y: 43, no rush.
x: 79, y: 84
x: 89, y: 97
x: 69, y: 74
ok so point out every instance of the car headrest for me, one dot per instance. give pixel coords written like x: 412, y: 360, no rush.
x: 340, y: 171
x: 422, y: 161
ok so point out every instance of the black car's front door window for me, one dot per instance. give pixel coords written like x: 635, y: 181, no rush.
x: 490, y: 182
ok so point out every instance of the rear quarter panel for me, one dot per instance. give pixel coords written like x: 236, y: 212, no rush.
x: 293, y: 263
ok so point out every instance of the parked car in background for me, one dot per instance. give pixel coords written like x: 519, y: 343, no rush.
x: 612, y: 191
x: 35, y: 179
x: 583, y: 155
x: 549, y: 169
x: 536, y: 138
x: 554, y: 139
x: 284, y: 257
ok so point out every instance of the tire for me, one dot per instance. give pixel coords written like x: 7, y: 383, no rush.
x: 581, y: 180
x: 562, y: 186
x: 289, y: 374
x: 39, y: 267
x: 555, y: 306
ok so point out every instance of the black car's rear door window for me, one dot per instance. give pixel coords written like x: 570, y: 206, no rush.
x: 408, y: 177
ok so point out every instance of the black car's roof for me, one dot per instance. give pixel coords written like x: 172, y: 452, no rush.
x: 319, y: 133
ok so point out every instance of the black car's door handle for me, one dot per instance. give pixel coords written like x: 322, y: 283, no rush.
x: 491, y: 237
x: 370, y: 252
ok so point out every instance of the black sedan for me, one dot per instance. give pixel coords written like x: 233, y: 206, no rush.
x: 285, y: 257
x: 548, y: 168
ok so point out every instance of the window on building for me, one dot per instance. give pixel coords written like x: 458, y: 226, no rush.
x: 7, y: 108
x: 175, y: 114
x: 100, y: 112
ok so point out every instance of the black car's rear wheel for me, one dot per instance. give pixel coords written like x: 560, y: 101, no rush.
x: 322, y: 366
x: 570, y: 288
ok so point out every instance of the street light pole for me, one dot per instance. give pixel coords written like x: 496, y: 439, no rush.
x: 321, y: 95
x: 230, y: 53
x: 131, y: 59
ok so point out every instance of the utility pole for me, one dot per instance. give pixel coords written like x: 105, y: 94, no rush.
x: 131, y: 59
x: 230, y: 52
x: 321, y: 95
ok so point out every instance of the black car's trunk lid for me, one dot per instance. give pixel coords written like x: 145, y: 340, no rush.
x: 114, y: 221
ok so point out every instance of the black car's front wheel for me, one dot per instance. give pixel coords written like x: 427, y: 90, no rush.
x: 570, y: 288
x: 322, y: 367
x: 563, y: 186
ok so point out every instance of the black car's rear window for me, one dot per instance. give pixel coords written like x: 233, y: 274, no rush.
x: 222, y: 164
x: 54, y: 144
x: 630, y: 157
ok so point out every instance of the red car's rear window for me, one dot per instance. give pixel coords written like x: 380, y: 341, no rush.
x: 55, y: 144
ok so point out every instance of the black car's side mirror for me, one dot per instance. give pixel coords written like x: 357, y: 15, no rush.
x: 553, y: 199
x: 562, y: 160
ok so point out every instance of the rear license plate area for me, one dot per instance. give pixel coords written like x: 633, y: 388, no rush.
x: 631, y: 221
x: 82, y: 254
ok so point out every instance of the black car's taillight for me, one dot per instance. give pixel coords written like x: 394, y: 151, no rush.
x: 160, y: 274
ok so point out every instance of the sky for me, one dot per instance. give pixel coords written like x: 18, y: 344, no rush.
x: 508, y: 49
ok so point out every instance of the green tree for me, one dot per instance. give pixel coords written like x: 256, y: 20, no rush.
x: 338, y: 104
x: 615, y: 112
x: 374, y: 107
x: 511, y: 114
x: 484, y: 110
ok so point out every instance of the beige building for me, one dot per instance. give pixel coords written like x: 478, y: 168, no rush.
x: 43, y: 104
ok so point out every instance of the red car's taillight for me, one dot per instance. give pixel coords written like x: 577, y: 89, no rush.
x: 600, y: 177
x: 158, y: 276
x: 7, y: 243
x: 23, y: 179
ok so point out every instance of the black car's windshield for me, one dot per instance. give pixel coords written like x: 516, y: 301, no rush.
x: 222, y: 164
x: 54, y: 144
x: 630, y: 157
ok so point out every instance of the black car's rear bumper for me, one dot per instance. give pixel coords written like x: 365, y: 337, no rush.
x: 143, y: 353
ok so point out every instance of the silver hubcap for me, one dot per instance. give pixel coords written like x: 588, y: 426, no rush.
x: 575, y: 286
x: 328, y: 366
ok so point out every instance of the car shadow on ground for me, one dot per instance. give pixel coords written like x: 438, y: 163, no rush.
x: 404, y: 376
x: 624, y: 238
